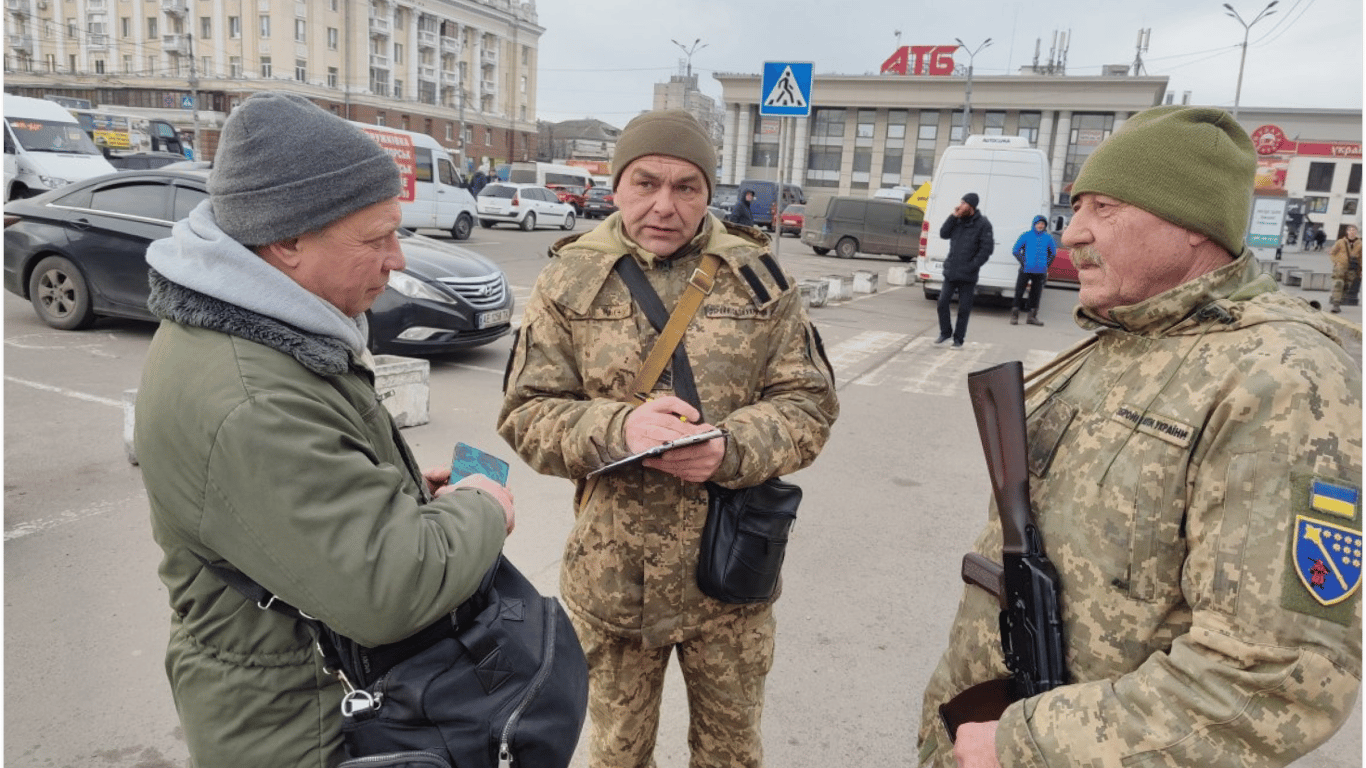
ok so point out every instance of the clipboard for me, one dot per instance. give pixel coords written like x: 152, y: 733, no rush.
x: 700, y: 437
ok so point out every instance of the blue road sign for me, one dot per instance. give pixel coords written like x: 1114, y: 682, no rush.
x: 786, y: 90
x: 187, y: 102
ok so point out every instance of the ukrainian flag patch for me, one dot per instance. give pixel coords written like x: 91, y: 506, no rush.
x: 1333, y: 499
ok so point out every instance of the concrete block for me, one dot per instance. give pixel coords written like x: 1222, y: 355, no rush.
x: 901, y: 275
x: 402, y: 385
x: 1316, y: 281
x: 1293, y: 277
x: 814, y: 292
x: 841, y: 287
x: 865, y: 281
x: 130, y: 399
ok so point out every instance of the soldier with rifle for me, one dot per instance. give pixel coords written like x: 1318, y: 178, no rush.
x: 1177, y: 508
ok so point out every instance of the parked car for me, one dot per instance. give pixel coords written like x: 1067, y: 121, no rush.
x: 861, y: 226
x: 526, y: 205
x: 1062, y: 270
x: 599, y: 203
x: 766, y: 205
x: 570, y: 194
x: 79, y: 253
x: 790, y: 222
x: 142, y: 161
x: 723, y: 199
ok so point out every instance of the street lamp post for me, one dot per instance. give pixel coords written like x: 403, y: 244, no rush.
x: 1247, y: 28
x: 967, y: 111
x: 689, y: 51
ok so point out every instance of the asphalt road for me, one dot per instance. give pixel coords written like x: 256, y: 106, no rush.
x: 870, y: 585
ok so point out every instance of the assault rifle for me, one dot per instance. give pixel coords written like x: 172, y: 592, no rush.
x: 1026, y: 584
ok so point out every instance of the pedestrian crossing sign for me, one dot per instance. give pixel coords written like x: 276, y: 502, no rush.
x: 786, y: 90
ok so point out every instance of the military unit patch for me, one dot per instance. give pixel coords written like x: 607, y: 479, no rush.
x: 1325, y: 553
x: 1327, y: 559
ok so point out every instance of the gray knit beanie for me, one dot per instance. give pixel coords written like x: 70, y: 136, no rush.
x: 671, y: 132
x: 285, y: 166
x: 1191, y: 166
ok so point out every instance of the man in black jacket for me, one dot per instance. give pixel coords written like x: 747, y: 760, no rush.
x: 740, y: 212
x: 970, y: 245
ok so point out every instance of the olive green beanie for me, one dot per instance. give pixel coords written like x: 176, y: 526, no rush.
x: 1191, y: 166
x: 671, y: 132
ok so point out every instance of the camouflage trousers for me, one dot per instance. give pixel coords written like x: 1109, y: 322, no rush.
x: 723, y: 666
x: 1345, y: 281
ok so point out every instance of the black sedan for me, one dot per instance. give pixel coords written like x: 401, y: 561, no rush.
x: 79, y: 253
x: 598, y: 203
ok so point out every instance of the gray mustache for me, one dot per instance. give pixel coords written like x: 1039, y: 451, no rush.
x: 1086, y: 256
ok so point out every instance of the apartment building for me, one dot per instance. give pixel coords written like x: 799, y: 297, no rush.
x: 463, y: 71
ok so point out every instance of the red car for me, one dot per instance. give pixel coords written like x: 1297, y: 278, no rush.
x: 1062, y: 270
x: 569, y: 195
x: 790, y: 222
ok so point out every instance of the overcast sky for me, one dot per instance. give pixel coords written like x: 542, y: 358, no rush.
x: 601, y: 58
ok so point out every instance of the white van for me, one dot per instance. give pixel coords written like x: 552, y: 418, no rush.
x: 1012, y: 180
x: 546, y: 174
x: 50, y: 148
x: 435, y: 195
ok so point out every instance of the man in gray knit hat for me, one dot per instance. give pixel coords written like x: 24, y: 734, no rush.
x: 264, y: 448
x: 628, y: 574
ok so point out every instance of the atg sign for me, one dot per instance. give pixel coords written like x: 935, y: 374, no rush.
x: 934, y: 60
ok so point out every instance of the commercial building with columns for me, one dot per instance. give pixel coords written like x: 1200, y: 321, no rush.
x: 867, y: 132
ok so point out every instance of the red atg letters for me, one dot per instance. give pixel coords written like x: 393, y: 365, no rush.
x: 940, y: 60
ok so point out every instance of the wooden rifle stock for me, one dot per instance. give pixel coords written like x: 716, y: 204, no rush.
x: 1026, y: 584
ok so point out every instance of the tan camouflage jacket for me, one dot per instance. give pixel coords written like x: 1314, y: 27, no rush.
x: 631, y: 558
x: 1196, y: 472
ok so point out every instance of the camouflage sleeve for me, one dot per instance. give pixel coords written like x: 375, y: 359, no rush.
x: 1271, y: 664
x: 787, y: 426
x: 547, y: 417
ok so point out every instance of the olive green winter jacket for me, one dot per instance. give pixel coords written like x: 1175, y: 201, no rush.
x: 274, y: 455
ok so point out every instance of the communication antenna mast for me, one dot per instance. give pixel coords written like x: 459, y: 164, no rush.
x: 1062, y: 53
x: 1144, y: 35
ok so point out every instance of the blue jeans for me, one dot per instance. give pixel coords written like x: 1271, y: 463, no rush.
x: 965, y: 289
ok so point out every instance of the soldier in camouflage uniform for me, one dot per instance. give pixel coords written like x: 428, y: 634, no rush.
x: 628, y: 575
x: 1196, y: 473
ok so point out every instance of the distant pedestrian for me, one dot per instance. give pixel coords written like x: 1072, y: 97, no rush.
x: 970, y: 245
x: 740, y: 212
x: 478, y: 183
x: 1320, y: 237
x: 1346, y: 256
x: 1035, y: 251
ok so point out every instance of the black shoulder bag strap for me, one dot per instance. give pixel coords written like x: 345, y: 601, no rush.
x: 355, y: 664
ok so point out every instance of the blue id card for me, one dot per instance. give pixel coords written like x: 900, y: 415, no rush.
x: 468, y: 460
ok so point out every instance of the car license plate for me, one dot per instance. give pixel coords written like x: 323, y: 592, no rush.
x: 490, y: 319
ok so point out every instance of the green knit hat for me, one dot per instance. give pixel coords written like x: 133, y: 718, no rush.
x: 671, y: 132
x: 1191, y: 166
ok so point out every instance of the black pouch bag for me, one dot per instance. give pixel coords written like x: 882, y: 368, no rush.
x: 510, y: 687
x: 501, y: 682
x: 745, y: 539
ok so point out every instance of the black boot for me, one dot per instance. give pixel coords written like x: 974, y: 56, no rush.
x: 1033, y: 318
x: 1014, y: 317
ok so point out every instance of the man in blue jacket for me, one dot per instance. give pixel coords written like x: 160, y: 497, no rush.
x: 970, y: 245
x: 1034, y: 250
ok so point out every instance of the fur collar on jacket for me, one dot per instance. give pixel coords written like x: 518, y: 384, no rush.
x: 322, y: 355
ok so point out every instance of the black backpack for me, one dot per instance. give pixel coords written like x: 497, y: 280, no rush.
x: 501, y: 682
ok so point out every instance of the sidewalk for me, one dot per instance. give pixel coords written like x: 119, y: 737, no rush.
x: 1348, y: 322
